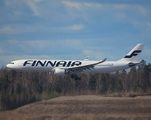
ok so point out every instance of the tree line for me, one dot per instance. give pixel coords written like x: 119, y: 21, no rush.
x: 20, y: 88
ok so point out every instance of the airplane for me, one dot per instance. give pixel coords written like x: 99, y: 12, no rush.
x: 75, y: 67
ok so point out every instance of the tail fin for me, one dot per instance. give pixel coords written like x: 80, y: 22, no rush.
x: 134, y: 54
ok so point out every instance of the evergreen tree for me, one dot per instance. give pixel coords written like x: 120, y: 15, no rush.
x: 112, y: 84
x: 133, y: 79
x: 103, y: 84
x: 145, y: 79
x: 92, y: 83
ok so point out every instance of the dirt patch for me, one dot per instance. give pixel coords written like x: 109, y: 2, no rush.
x: 84, y: 107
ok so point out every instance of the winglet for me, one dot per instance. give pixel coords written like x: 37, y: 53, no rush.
x: 101, y: 61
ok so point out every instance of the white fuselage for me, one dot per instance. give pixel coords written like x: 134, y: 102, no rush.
x: 61, y: 67
x: 49, y: 65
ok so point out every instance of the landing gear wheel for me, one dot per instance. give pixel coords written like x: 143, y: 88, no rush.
x: 74, y: 76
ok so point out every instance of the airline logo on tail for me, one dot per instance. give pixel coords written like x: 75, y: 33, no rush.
x: 134, y: 53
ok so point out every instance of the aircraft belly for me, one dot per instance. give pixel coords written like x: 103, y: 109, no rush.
x: 104, y: 69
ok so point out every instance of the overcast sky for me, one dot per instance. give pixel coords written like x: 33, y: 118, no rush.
x: 73, y: 29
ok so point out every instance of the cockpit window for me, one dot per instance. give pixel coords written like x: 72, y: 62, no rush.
x: 12, y: 63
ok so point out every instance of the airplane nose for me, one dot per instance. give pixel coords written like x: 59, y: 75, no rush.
x: 7, y: 65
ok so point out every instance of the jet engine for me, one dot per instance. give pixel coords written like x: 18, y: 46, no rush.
x: 59, y: 71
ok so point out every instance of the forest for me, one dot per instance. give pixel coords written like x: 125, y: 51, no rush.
x: 20, y: 88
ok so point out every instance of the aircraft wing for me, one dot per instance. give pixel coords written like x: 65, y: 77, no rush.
x: 84, y: 67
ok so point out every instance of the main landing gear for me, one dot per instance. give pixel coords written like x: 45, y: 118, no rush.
x: 74, y: 76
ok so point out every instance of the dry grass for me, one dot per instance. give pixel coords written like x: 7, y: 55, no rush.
x: 84, y: 107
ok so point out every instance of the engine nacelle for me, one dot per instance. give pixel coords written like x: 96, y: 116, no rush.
x: 59, y: 71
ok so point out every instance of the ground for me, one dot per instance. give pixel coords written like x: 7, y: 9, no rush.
x: 84, y: 107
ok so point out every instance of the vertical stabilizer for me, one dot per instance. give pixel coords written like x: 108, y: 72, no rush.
x: 134, y: 54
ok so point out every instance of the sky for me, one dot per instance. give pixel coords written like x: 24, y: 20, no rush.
x: 73, y: 29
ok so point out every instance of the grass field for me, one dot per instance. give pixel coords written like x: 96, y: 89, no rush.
x: 84, y: 107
